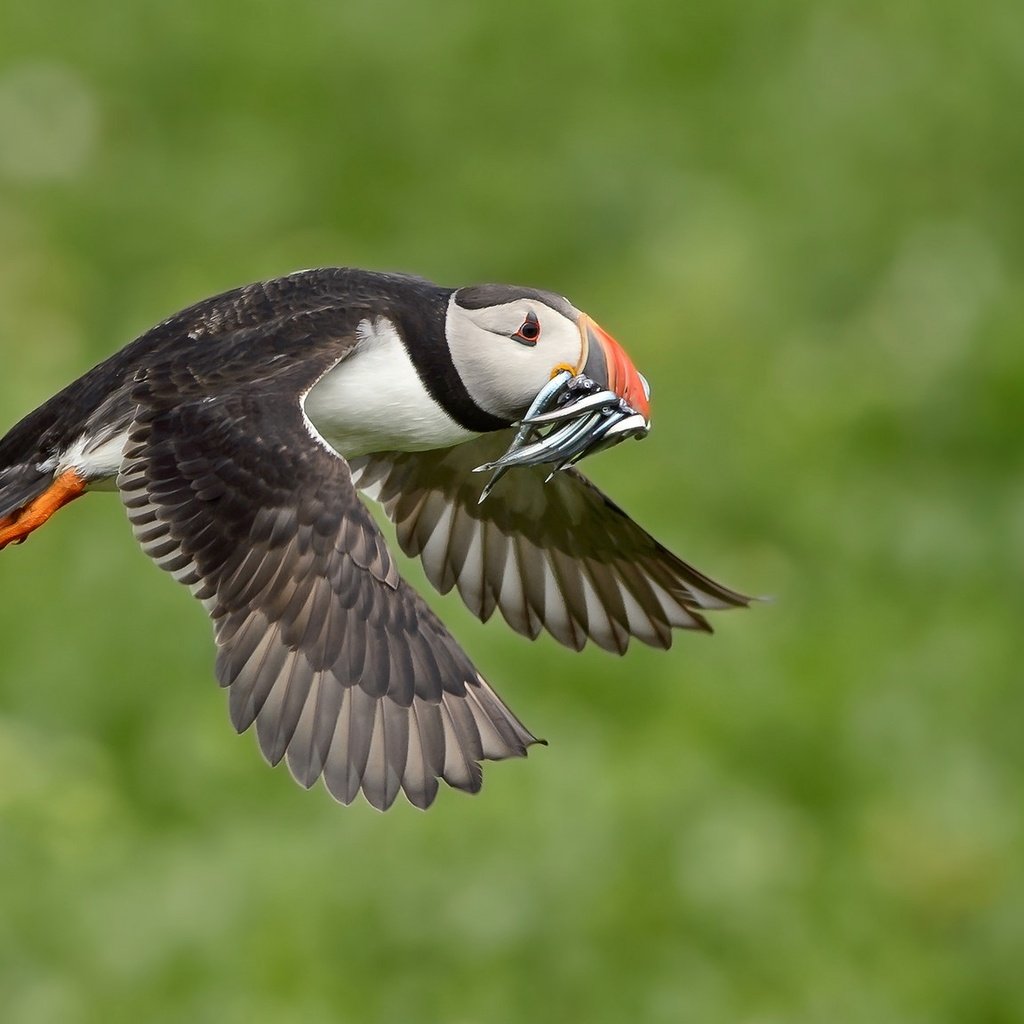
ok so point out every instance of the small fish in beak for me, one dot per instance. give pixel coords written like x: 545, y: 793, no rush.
x: 571, y: 417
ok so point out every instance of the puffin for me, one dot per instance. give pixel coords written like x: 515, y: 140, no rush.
x: 243, y: 435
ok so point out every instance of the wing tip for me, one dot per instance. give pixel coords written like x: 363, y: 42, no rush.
x: 499, y: 735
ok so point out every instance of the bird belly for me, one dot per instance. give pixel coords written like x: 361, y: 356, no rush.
x: 375, y: 401
x: 96, y: 460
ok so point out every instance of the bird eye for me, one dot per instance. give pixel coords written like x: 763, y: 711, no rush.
x: 529, y: 331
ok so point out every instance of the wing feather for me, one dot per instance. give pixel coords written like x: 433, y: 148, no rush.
x: 344, y: 670
x: 559, y: 556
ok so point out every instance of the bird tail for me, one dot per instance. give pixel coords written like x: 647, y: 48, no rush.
x: 20, y: 485
x: 29, y: 496
x: 32, y: 486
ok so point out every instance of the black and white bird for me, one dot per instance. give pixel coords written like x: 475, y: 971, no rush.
x: 239, y: 434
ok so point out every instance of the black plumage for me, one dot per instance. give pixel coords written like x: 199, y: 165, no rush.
x: 341, y: 665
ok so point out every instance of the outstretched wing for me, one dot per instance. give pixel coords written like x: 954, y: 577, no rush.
x: 558, y: 556
x: 344, y: 669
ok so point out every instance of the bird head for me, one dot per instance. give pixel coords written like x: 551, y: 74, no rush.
x: 507, y: 343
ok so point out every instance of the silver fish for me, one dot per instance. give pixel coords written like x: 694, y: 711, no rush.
x: 570, y: 418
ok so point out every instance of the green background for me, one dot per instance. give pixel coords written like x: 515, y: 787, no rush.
x: 804, y: 221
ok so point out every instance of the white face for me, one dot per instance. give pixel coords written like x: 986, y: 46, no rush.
x: 505, y: 353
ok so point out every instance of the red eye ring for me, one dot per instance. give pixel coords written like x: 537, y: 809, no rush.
x: 529, y: 331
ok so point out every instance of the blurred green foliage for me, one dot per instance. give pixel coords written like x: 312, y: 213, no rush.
x: 804, y: 221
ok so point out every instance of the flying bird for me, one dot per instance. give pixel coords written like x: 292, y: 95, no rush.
x: 240, y: 433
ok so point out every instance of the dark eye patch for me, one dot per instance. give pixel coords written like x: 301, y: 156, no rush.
x: 529, y: 330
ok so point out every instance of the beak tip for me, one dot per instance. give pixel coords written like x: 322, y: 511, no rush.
x: 621, y: 376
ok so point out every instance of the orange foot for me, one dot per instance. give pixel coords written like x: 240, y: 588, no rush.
x: 15, y: 528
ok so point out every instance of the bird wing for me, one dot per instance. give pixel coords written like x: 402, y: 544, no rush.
x: 342, y: 666
x: 559, y: 556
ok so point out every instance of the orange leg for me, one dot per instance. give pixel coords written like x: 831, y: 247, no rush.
x: 15, y: 528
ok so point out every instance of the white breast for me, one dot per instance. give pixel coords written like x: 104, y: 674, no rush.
x: 374, y: 400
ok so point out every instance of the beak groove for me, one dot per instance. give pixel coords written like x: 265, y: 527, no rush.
x: 605, y: 361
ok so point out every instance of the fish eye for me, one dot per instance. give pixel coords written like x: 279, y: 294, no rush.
x: 529, y: 330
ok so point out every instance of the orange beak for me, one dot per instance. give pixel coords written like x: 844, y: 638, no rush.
x: 605, y: 361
